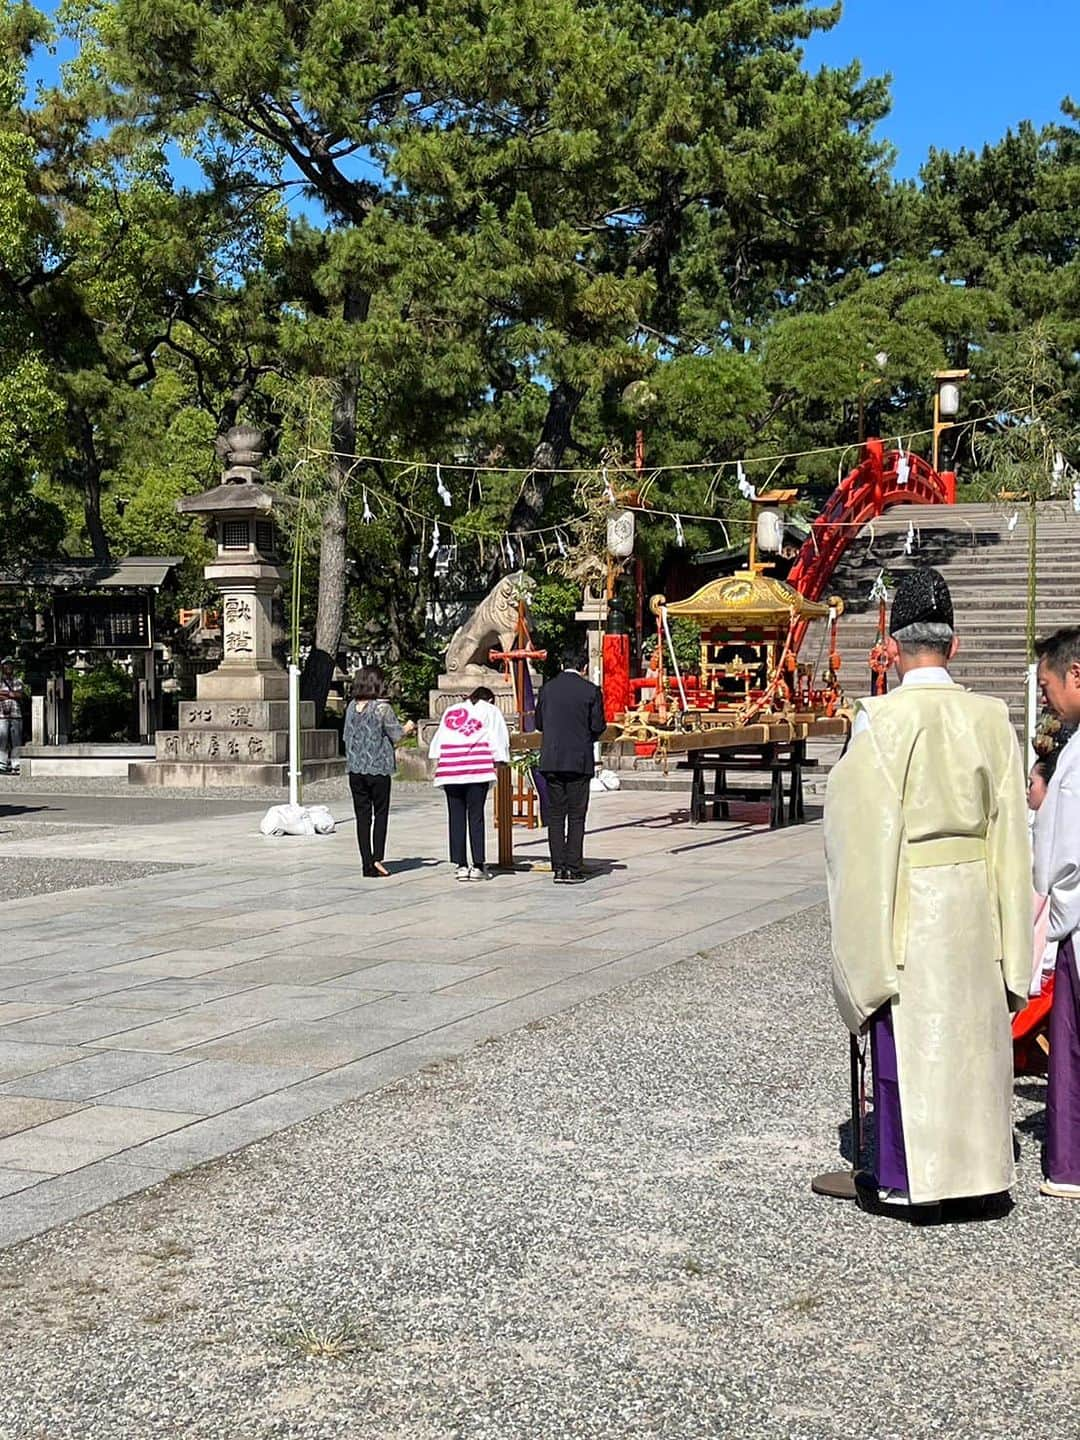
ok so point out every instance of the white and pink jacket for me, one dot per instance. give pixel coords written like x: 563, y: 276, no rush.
x: 470, y: 741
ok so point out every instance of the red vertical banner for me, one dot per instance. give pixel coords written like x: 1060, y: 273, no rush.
x: 616, y: 675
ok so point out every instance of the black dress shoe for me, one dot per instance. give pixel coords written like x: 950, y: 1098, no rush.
x: 560, y: 877
x: 574, y: 877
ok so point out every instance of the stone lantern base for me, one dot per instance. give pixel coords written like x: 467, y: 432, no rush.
x: 238, y: 741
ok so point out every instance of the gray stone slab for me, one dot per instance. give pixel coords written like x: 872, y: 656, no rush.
x: 569, y: 959
x: 173, y: 995
x: 18, y: 1059
x: 87, y: 1135
x: 12, y: 1181
x: 504, y: 984
x: 287, y: 968
x: 67, y: 989
x: 218, y: 1135
x: 99, y: 1073
x: 291, y: 1002
x: 175, y: 964
x: 18, y: 1010
x: 418, y: 977
x: 56, y: 1199
x: 412, y: 1013
x: 318, y: 1046
x: 442, y: 952
x: 209, y: 1086
x: 19, y: 1113
x: 188, y: 1028
x: 78, y: 1024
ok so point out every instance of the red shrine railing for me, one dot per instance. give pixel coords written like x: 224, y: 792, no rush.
x: 875, y: 484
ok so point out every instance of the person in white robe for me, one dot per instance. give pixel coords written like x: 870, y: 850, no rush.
x: 929, y: 877
x: 1057, y: 875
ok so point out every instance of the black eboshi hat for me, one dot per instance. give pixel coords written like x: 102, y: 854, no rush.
x: 922, y: 598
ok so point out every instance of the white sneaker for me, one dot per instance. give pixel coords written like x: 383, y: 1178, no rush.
x: 479, y: 872
x: 463, y: 872
x: 1060, y: 1190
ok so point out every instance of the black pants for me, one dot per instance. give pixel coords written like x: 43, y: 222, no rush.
x: 371, y: 801
x: 568, y: 803
x: 466, y: 803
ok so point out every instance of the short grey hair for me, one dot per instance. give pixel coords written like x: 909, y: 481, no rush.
x: 926, y: 635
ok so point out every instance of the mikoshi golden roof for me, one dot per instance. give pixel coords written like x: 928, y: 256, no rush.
x: 746, y: 596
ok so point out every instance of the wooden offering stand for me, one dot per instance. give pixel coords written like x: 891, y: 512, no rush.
x: 515, y: 798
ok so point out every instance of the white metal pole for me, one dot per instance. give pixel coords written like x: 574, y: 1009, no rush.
x: 1032, y: 711
x: 294, y: 734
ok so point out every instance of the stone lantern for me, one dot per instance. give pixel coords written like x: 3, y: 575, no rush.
x: 236, y: 730
x: 240, y: 513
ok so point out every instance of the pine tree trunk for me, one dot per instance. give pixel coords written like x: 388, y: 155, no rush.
x: 549, y: 454
x: 99, y: 540
x: 330, y: 620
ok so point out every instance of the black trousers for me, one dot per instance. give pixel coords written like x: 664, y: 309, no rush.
x: 465, y: 807
x: 568, y: 804
x: 371, y: 801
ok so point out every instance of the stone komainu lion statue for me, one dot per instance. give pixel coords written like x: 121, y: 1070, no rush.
x: 490, y: 627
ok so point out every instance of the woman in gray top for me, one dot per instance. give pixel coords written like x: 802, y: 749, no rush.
x: 371, y: 732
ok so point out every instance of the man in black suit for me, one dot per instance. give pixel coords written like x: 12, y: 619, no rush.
x: 570, y: 716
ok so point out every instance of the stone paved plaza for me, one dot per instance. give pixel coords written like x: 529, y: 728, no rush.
x: 149, y: 1026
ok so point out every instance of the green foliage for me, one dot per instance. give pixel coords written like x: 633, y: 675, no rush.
x: 527, y: 207
x: 412, y: 678
x: 552, y: 608
x: 101, y: 702
x: 686, y: 640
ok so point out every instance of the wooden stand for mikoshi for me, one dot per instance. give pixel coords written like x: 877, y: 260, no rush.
x: 515, y: 798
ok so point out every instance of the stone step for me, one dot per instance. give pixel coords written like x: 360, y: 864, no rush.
x: 94, y: 760
x: 231, y: 775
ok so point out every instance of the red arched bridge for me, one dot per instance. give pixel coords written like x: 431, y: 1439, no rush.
x: 881, y: 479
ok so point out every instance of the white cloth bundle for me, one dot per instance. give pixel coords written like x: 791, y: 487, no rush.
x: 297, y: 820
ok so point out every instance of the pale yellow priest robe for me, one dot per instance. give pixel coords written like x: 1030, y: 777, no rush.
x: 931, y: 905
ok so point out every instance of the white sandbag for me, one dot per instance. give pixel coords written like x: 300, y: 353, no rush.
x: 606, y: 780
x: 287, y: 820
x: 322, y: 819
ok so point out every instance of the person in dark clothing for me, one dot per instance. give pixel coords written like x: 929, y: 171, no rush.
x: 570, y: 717
x: 371, y: 731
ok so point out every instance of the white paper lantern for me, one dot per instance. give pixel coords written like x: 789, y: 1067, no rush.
x: 620, y: 534
x: 770, y: 531
x: 949, y: 400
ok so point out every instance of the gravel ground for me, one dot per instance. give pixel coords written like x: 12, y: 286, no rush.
x: 22, y: 875
x: 599, y: 1227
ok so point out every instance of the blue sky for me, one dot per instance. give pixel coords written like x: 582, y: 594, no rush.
x: 964, y: 71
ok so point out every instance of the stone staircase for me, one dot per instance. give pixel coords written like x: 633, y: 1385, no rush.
x: 986, y: 566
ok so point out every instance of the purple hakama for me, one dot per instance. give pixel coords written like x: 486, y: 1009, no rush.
x: 1062, y: 1155
x: 890, y: 1167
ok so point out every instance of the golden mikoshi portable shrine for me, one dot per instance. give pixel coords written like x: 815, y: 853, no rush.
x: 748, y: 672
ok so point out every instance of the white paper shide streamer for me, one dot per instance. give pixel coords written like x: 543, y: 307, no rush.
x: 746, y: 490
x: 680, y: 538
x: 367, y: 517
x: 903, y: 467
x: 444, y: 494
x: 435, y: 542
